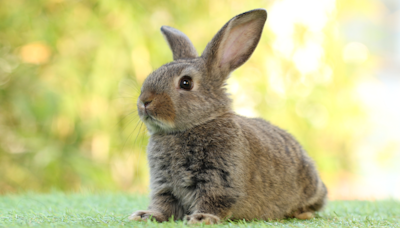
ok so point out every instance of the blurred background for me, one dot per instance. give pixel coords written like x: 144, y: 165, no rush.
x: 327, y: 71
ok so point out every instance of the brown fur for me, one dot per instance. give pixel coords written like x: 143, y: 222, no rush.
x: 207, y: 163
x: 161, y: 106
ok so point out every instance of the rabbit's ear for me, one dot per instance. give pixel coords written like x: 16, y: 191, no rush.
x: 179, y: 43
x: 235, y: 42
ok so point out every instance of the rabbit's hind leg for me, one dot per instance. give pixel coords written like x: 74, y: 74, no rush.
x: 304, y: 215
x: 308, y: 212
x: 316, y: 203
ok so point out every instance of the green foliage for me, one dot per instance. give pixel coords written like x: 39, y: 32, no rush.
x: 70, y: 72
x: 112, y: 210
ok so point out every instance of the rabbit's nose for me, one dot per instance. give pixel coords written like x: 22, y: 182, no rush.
x: 146, y: 98
x: 146, y: 103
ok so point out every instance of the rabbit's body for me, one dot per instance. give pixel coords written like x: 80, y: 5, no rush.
x: 224, y: 157
x: 207, y: 163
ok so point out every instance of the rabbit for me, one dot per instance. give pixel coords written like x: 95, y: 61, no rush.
x: 208, y: 164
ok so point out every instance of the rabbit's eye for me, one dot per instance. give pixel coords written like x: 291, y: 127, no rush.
x: 186, y: 83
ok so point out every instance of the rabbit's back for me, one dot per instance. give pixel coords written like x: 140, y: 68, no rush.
x: 280, y: 176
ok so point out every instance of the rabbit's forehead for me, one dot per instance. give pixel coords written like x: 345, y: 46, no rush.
x: 162, y: 77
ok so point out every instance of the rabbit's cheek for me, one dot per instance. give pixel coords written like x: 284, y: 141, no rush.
x: 163, y: 109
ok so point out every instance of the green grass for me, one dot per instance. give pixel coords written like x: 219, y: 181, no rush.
x: 112, y: 209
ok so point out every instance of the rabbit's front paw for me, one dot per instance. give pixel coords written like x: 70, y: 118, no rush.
x: 145, y: 215
x: 196, y: 218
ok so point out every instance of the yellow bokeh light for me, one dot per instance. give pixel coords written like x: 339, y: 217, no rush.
x: 36, y: 53
x: 355, y: 52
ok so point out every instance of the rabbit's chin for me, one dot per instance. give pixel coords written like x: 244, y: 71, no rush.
x: 157, y: 126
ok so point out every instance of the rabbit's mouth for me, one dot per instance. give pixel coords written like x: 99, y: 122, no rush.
x: 149, y: 118
x: 154, y: 125
x: 155, y: 121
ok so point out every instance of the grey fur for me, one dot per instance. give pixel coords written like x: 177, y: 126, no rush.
x: 208, y: 164
x: 181, y: 46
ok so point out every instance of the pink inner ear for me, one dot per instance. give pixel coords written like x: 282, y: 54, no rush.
x: 239, y: 42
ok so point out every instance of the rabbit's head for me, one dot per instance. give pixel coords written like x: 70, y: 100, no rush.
x: 190, y: 90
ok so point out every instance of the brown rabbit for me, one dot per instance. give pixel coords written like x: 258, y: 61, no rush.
x: 208, y: 163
